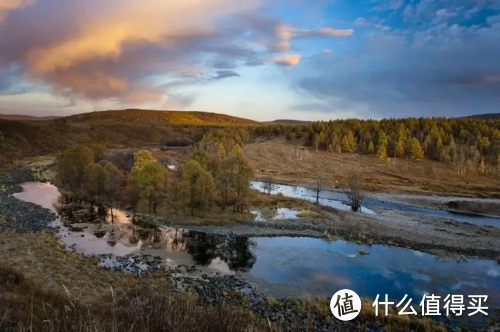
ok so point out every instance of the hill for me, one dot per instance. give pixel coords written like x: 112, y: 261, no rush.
x: 288, y: 122
x: 485, y: 116
x: 150, y: 117
x: 26, y: 117
x: 127, y: 128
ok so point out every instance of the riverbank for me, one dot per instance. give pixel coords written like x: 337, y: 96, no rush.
x: 216, y: 289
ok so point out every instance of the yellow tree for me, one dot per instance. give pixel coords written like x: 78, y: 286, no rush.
x: 417, y: 153
x: 382, y: 147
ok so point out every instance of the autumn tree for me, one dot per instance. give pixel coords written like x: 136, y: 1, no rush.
x: 241, y: 178
x: 141, y: 158
x: 73, y: 167
x: 416, y: 150
x: 224, y: 182
x: 96, y: 182
x: 382, y: 147
x: 199, y: 185
x: 348, y: 142
x: 152, y: 179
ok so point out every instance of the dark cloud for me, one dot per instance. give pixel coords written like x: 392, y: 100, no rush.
x: 221, y: 74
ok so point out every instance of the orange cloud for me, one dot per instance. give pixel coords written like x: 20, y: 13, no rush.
x: 285, y: 33
x: 106, y: 49
x: 285, y: 60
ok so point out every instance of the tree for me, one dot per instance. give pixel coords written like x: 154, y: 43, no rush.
x: 96, y: 184
x: 268, y: 184
x: 141, y: 158
x: 204, y: 190
x: 242, y: 173
x: 382, y: 147
x: 114, y: 181
x: 348, y: 142
x: 131, y: 195
x: 400, y: 149
x: 416, y: 150
x: 73, y: 167
x: 199, y: 185
x: 318, y: 185
x: 354, y: 190
x: 221, y: 153
x: 371, y: 148
x: 224, y: 182
x: 99, y: 151
x: 152, y: 179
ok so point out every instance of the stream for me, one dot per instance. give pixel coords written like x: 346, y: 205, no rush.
x: 336, y: 200
x: 284, y: 266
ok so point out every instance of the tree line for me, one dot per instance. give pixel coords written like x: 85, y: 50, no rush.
x: 470, y: 145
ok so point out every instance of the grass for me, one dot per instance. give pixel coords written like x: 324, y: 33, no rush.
x: 278, y: 158
x: 52, y: 289
x: 27, y: 306
x: 308, y: 213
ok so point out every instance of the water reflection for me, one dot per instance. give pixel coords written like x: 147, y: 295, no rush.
x: 236, y: 252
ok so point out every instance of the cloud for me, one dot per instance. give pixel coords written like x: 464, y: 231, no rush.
x: 360, y: 21
x: 443, y: 70
x: 7, y: 5
x: 221, y: 74
x: 384, y: 5
x: 116, y: 49
x: 285, y: 33
x: 327, y: 51
x: 285, y: 60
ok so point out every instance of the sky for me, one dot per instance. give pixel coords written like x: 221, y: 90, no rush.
x: 259, y: 59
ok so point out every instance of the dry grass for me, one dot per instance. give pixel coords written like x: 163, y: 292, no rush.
x: 279, y: 159
x: 51, y: 289
x: 27, y: 306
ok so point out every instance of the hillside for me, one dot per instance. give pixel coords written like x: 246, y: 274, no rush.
x: 485, y: 116
x: 17, y: 117
x: 130, y: 128
x: 288, y: 122
x: 149, y: 117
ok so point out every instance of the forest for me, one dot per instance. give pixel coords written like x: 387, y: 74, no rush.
x: 470, y: 145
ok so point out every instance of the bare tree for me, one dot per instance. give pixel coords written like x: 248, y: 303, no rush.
x: 319, y: 184
x: 268, y: 184
x: 354, y: 190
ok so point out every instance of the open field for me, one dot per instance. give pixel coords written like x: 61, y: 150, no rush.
x: 293, y: 164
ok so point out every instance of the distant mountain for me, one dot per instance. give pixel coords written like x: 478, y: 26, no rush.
x: 288, y: 122
x: 485, y: 116
x: 149, y: 117
x: 26, y: 117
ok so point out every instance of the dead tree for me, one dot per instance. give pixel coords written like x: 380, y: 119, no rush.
x: 319, y: 184
x: 268, y: 184
x: 354, y: 190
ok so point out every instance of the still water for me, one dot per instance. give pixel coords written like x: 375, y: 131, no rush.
x: 335, y: 199
x: 304, y: 266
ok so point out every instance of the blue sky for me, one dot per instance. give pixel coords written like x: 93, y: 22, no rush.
x: 309, y: 60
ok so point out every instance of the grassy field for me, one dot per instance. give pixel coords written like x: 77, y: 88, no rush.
x: 294, y: 164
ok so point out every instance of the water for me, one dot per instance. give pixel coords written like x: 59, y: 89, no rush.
x: 295, y: 265
x: 275, y: 214
x: 334, y: 199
